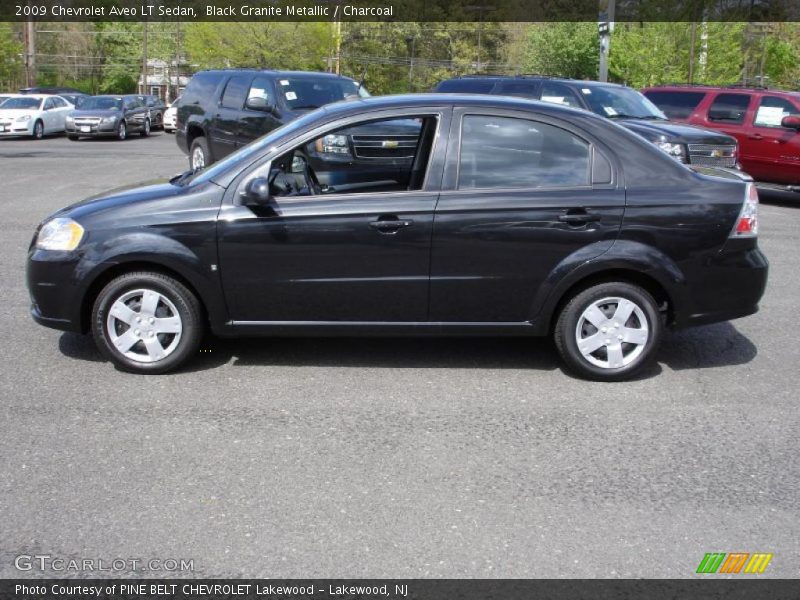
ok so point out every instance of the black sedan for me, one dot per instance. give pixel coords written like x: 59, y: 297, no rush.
x: 513, y: 217
x: 109, y: 116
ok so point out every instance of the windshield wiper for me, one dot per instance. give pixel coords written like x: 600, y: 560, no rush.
x: 305, y: 106
x: 180, y: 178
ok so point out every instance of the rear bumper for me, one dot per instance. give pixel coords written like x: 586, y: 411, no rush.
x: 730, y: 286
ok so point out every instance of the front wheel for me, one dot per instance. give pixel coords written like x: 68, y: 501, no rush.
x: 146, y: 131
x: 38, y: 130
x: 122, y: 131
x: 147, y: 322
x: 609, y: 332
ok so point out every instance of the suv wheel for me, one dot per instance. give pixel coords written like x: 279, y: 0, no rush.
x: 609, y: 331
x: 122, y: 131
x: 38, y: 130
x: 146, y: 131
x: 147, y: 322
x: 199, y: 156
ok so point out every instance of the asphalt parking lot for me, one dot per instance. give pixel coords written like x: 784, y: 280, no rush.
x: 383, y: 457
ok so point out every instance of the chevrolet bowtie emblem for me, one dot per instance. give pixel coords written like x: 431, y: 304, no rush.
x: 390, y: 144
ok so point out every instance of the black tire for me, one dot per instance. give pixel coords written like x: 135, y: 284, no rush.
x: 122, y: 131
x: 38, y: 130
x: 173, y: 297
x: 73, y: 138
x: 566, y: 332
x: 145, y: 132
x: 199, y: 145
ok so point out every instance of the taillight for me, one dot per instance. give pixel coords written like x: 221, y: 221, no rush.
x: 747, y: 223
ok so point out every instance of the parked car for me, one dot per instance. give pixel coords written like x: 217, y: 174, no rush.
x: 170, y: 116
x: 221, y: 111
x: 33, y: 115
x: 157, y: 110
x: 4, y: 97
x: 109, y: 116
x: 765, y: 122
x: 626, y: 106
x: 71, y: 95
x: 517, y: 218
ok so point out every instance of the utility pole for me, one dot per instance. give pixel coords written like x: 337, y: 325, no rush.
x: 144, y: 58
x: 605, y: 26
x: 411, y: 41
x: 29, y: 42
x: 480, y: 10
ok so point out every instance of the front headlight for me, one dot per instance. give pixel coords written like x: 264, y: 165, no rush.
x: 109, y: 119
x: 332, y: 144
x: 23, y: 118
x: 60, y: 234
x: 676, y: 151
x: 69, y: 119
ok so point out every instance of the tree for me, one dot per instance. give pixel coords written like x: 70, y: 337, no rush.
x: 10, y: 62
x: 563, y: 49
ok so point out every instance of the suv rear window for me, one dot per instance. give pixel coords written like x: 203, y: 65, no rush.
x: 676, y: 105
x: 467, y: 86
x: 729, y: 108
x: 201, y: 87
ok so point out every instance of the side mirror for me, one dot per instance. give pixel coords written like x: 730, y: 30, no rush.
x: 791, y: 122
x: 259, y: 103
x: 257, y: 191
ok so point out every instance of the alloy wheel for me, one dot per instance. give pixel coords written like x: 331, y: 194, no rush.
x: 144, y: 325
x: 612, y: 332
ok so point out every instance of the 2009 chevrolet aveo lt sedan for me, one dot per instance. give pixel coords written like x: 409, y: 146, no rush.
x: 513, y: 218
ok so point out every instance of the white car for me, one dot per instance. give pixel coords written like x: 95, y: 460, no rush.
x: 171, y: 116
x: 33, y: 115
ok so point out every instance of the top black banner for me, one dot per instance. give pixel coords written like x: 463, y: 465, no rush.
x: 401, y: 10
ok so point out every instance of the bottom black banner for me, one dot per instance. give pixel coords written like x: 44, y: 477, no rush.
x: 397, y: 589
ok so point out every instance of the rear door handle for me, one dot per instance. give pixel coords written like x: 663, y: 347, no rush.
x: 578, y: 216
x: 390, y: 225
x: 755, y: 136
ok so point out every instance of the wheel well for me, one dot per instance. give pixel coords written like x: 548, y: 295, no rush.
x: 113, y: 272
x: 193, y: 132
x: 653, y: 287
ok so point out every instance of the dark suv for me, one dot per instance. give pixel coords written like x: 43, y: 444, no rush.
x: 109, y: 116
x: 513, y: 218
x: 626, y: 106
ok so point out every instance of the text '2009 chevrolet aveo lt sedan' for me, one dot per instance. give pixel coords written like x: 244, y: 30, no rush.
x: 512, y: 217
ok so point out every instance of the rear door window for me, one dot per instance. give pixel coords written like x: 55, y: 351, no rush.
x: 466, y: 86
x: 507, y: 152
x: 235, y: 92
x: 729, y: 108
x: 771, y: 111
x: 524, y: 89
x: 676, y: 105
x: 558, y: 93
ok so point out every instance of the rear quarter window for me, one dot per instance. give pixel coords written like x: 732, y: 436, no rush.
x: 676, y: 105
x: 729, y: 108
x: 202, y: 86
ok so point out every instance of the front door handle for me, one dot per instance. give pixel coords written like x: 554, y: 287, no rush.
x: 578, y: 216
x: 390, y: 225
x: 755, y: 136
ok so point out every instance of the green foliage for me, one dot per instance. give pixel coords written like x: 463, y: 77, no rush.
x: 11, y: 66
x: 563, y: 49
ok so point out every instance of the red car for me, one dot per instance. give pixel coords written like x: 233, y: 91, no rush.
x: 766, y: 123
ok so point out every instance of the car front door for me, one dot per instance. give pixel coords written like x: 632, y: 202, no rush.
x: 259, y: 115
x: 338, y: 257
x: 225, y: 125
x: 521, y: 196
x: 775, y: 150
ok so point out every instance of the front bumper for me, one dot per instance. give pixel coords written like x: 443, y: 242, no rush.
x: 53, y: 286
x: 99, y: 130
x: 16, y: 129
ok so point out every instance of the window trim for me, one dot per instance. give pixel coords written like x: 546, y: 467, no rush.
x: 455, y: 142
x: 747, y: 109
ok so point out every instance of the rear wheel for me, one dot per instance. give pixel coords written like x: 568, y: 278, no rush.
x: 199, y: 156
x: 609, y: 332
x: 147, y: 322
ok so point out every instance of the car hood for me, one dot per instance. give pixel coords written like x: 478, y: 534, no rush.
x: 670, y: 131
x: 94, y: 113
x: 139, y: 193
x: 14, y: 113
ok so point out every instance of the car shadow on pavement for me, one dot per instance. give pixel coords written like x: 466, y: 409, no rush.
x: 702, y: 347
x: 717, y: 345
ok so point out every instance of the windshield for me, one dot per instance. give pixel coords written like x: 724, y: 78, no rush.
x: 308, y: 93
x: 255, y: 149
x: 618, y: 102
x: 101, y: 103
x: 21, y: 104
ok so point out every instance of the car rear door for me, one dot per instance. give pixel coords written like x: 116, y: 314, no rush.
x: 255, y: 123
x: 223, y: 132
x: 522, y: 193
x: 49, y: 115
x: 774, y: 150
x: 728, y: 112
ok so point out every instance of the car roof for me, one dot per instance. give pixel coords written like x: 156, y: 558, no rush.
x: 521, y: 77
x: 275, y: 73
x: 722, y: 88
